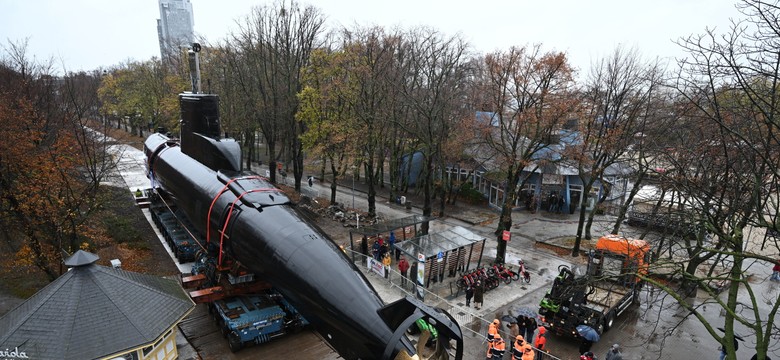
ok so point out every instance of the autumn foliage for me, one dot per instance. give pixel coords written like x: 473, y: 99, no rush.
x: 47, y: 191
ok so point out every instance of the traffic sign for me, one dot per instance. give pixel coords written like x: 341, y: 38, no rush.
x: 507, y: 235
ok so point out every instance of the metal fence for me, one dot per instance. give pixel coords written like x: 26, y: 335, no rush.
x: 471, y: 324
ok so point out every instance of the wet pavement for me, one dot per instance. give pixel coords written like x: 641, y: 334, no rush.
x: 656, y: 329
x: 652, y: 330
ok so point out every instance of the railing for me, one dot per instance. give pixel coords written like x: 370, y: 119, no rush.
x: 471, y: 324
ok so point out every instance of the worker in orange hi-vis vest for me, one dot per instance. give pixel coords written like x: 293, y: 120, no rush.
x: 517, y: 347
x: 499, y: 347
x: 491, y: 336
x: 528, y: 352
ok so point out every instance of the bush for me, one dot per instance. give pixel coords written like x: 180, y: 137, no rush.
x: 121, y: 230
x: 471, y: 195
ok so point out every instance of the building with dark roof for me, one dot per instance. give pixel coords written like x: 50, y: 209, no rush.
x: 97, y: 312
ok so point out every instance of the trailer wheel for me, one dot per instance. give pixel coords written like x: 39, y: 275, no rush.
x: 635, y: 299
x: 222, y: 327
x: 637, y: 292
x: 225, y: 330
x: 234, y: 342
x: 609, y: 321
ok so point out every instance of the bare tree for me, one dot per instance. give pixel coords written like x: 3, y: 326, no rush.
x: 434, y: 90
x: 269, y: 51
x: 616, y: 95
x: 730, y: 173
x: 530, y: 94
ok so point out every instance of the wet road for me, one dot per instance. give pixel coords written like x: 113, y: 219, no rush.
x: 656, y: 329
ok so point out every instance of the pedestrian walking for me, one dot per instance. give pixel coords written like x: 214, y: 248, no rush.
x: 614, y: 353
x: 479, y: 292
x: 775, y: 272
x: 403, y: 267
x: 469, y: 294
x: 587, y: 356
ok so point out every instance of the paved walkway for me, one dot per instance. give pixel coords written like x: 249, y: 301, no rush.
x: 528, y: 229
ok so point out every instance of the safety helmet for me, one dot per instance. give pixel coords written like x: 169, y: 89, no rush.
x: 542, y: 330
x: 496, y: 322
x: 519, y: 337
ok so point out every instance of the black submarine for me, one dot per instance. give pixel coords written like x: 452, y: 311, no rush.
x: 255, y: 224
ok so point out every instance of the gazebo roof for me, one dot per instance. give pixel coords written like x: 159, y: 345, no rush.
x: 93, y: 311
x: 442, y: 241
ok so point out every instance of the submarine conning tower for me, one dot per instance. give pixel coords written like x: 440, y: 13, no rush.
x: 200, y: 133
x: 200, y: 125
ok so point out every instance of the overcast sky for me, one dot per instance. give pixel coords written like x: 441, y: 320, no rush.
x: 88, y: 34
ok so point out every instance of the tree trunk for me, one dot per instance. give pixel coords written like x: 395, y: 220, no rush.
x: 621, y: 216
x: 333, y: 183
x: 297, y: 152
x: 575, y: 251
x: 248, y: 141
x: 371, y: 182
x: 272, y: 159
x: 587, y: 186
x: 426, y: 174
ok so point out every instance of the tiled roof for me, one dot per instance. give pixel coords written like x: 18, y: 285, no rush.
x: 93, y: 311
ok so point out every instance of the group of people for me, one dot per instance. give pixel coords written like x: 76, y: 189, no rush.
x: 523, y: 331
x: 555, y: 202
x: 520, y: 348
x: 612, y: 354
x: 380, y: 248
x: 477, y: 292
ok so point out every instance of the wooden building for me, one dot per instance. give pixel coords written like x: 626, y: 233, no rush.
x: 97, y: 312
